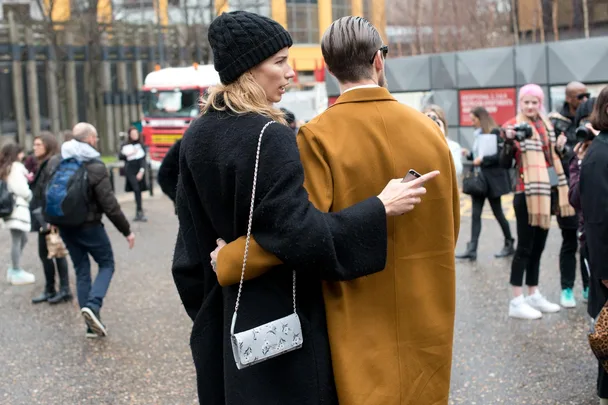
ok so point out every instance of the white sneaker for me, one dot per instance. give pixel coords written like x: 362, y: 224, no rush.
x: 540, y: 303
x: 519, y: 308
x: 19, y: 277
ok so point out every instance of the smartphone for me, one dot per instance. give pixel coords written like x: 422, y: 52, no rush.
x: 411, y: 175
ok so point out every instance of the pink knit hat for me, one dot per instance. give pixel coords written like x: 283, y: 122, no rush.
x: 533, y: 90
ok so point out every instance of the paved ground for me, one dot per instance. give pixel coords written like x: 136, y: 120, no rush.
x: 45, y: 359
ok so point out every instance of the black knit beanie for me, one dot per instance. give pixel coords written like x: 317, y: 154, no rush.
x: 241, y: 40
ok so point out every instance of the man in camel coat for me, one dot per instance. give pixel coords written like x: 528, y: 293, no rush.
x: 390, y: 333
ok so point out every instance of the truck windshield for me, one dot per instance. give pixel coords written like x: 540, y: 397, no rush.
x: 171, y: 103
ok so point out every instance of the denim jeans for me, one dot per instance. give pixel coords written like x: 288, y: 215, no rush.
x: 82, y: 242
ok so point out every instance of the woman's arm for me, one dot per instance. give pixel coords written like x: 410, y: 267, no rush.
x: 341, y: 246
x: 574, y: 194
x: 19, y: 183
x: 456, y: 151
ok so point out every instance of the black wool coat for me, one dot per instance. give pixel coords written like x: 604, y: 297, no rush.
x: 217, y: 158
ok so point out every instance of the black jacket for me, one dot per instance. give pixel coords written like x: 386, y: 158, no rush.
x: 168, y: 172
x: 217, y: 159
x: 101, y: 196
x: 497, y: 178
x: 38, y: 187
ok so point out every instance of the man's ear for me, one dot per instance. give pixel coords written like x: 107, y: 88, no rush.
x: 379, y: 62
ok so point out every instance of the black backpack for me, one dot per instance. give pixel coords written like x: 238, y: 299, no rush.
x: 7, y: 200
x: 67, y: 194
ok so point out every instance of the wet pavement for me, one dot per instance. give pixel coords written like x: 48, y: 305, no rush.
x: 45, y: 358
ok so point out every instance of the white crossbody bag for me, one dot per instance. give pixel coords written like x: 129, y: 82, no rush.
x: 273, y: 338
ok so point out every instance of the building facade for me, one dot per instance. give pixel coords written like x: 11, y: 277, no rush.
x: 306, y: 20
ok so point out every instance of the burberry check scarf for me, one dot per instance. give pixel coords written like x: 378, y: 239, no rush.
x: 536, y: 177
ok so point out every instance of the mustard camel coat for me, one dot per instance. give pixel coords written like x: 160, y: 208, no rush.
x: 390, y: 333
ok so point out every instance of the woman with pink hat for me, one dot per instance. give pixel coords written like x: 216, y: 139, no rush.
x: 541, y: 190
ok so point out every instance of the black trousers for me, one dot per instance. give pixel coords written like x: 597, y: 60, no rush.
x: 567, y: 260
x: 530, y: 246
x: 132, y: 179
x: 49, y: 266
x: 496, y: 205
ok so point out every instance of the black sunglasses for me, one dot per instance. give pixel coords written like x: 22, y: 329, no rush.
x: 384, y: 49
x: 583, y: 95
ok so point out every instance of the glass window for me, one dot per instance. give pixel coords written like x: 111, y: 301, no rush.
x: 171, y: 103
x: 303, y: 21
x: 341, y: 8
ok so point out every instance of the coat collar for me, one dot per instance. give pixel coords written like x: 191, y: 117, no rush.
x: 364, y: 95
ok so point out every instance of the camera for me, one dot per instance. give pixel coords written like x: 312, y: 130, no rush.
x: 523, y: 131
x: 583, y: 134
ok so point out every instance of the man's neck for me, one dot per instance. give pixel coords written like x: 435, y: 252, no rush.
x: 349, y: 85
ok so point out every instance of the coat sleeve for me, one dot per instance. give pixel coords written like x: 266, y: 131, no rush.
x: 105, y: 198
x: 574, y: 193
x: 18, y: 182
x: 288, y: 229
x: 169, y: 171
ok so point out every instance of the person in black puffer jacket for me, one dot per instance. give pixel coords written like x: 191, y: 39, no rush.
x: 168, y: 173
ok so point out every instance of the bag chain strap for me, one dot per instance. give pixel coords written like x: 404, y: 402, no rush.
x: 255, y: 180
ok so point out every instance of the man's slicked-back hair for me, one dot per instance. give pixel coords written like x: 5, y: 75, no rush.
x: 348, y: 46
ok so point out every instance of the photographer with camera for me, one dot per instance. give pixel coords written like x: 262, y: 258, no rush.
x: 565, y: 126
x: 591, y: 195
x: 530, y: 143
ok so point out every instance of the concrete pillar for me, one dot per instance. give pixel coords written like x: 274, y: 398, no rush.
x: 138, y: 80
x: 32, y: 86
x: 52, y: 90
x: 121, y: 73
x: 70, y: 81
x: 18, y: 96
x: 106, y: 90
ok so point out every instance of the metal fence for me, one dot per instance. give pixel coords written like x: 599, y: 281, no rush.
x: 446, y: 79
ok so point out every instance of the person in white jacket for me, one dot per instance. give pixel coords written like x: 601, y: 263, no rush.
x: 14, y: 173
x: 437, y: 114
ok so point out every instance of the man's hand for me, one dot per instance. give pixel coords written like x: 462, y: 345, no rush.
x: 220, y: 244
x: 131, y: 240
x: 399, y: 198
x: 561, y: 142
x: 477, y: 161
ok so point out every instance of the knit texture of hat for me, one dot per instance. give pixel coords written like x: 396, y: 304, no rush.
x: 241, y: 40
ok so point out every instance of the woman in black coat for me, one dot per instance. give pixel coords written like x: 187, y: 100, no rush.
x: 217, y: 160
x: 133, y: 153
x: 45, y: 147
x: 594, y: 203
x: 498, y: 183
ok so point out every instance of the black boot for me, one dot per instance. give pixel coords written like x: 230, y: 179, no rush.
x: 507, y: 250
x: 470, y: 253
x: 47, y: 295
x: 64, y: 294
x: 140, y: 217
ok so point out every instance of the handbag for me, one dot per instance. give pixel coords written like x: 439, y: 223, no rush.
x: 55, y: 245
x: 474, y: 183
x: 598, y: 338
x: 271, y: 339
